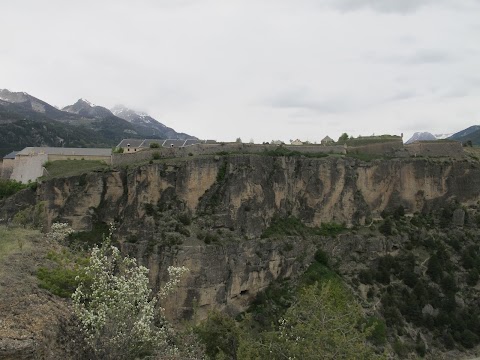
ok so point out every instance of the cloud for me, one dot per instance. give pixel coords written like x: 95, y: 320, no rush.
x: 382, y: 6
x: 302, y: 98
x: 428, y: 56
x: 419, y: 57
x: 403, y: 95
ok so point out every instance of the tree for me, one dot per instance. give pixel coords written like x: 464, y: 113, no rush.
x: 239, y: 140
x: 220, y: 334
x: 117, y: 313
x: 343, y: 137
x: 322, y: 324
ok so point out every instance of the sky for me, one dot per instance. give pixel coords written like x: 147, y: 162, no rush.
x: 254, y: 69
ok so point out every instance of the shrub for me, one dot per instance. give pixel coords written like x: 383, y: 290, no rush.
x: 116, y: 310
x: 378, y: 328
x: 185, y: 218
x: 472, y: 277
x: 321, y: 257
x: 10, y: 187
x: 156, y: 155
x: 154, y: 145
x: 60, y: 281
x: 220, y: 335
x: 386, y: 228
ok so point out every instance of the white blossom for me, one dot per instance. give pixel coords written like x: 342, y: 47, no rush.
x: 116, y: 308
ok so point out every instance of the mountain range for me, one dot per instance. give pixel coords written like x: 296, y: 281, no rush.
x: 28, y: 121
x: 470, y: 134
x: 426, y: 136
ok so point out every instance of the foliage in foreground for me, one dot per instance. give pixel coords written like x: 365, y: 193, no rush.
x: 118, y: 315
x: 10, y: 187
x: 66, y: 272
x: 322, y: 323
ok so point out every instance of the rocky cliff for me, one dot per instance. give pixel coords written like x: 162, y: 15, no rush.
x: 235, y: 198
x: 245, y: 192
x: 209, y: 214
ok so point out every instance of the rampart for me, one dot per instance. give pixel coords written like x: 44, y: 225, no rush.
x: 212, y: 149
x: 380, y: 148
x: 439, y: 148
x: 28, y: 168
x: 55, y: 157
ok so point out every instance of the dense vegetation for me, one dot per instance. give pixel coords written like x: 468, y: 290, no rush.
x: 10, y: 187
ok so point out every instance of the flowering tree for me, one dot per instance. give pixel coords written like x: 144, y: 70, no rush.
x: 116, y: 309
x: 59, y: 231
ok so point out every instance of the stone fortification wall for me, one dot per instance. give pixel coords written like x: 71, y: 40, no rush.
x: 452, y: 149
x: 381, y: 148
x: 206, y: 149
x: 55, y: 157
x: 28, y: 168
x: 6, y: 168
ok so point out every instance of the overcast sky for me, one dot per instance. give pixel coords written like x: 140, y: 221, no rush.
x: 261, y: 69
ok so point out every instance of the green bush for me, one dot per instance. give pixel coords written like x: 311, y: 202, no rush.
x: 222, y: 172
x: 59, y: 281
x: 185, y: 218
x: 156, y: 155
x: 378, y: 335
x: 10, y: 187
x: 322, y: 257
x: 154, y: 145
x: 386, y: 228
x: 220, y: 335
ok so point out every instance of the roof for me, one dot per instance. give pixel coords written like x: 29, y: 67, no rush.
x: 65, y: 151
x: 11, y: 155
x: 173, y: 143
x: 131, y: 142
x: 145, y: 143
x: 327, y: 138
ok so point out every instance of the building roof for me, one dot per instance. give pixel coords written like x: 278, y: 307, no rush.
x: 145, y: 143
x: 65, y: 151
x: 11, y: 155
x: 327, y: 139
x: 132, y: 142
x: 173, y: 143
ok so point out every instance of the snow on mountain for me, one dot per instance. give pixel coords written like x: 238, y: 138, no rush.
x: 426, y: 136
x: 421, y: 136
x: 147, y: 125
x: 442, y: 136
x: 86, y: 108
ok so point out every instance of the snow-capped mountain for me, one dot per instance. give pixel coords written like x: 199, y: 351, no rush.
x: 29, y: 102
x: 147, y: 125
x: 28, y: 121
x: 426, y: 136
x: 86, y: 108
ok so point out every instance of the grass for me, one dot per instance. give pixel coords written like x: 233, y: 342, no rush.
x: 63, y: 168
x: 14, y: 239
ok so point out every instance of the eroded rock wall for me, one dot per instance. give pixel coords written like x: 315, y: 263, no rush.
x: 240, y: 195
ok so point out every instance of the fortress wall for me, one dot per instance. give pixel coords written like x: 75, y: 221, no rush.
x: 207, y: 149
x: 436, y: 149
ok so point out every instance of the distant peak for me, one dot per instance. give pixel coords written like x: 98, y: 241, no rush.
x: 86, y: 102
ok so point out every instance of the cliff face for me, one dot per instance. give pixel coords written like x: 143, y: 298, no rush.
x: 236, y: 198
x: 208, y: 214
x: 246, y: 192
